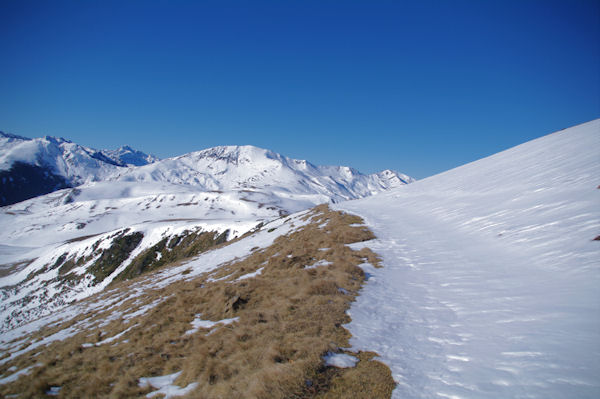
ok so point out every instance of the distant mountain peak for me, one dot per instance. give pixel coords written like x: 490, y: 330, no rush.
x: 395, y: 178
x: 236, y: 152
x: 32, y: 167
x: 127, y: 156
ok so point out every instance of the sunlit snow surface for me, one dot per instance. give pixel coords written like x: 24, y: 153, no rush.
x: 491, y: 280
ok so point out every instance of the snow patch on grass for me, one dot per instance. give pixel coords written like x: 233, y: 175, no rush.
x: 198, y: 323
x: 165, y: 386
x: 15, y: 376
x: 250, y: 275
x: 322, y: 262
x: 340, y: 360
x: 109, y: 340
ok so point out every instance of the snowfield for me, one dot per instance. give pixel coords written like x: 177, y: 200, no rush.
x: 490, y: 285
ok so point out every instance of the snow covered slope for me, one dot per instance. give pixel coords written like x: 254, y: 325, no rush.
x: 491, y: 281
x: 32, y: 167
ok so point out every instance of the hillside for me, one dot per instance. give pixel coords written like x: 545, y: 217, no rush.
x: 491, y: 274
x: 252, y: 319
x: 75, y: 242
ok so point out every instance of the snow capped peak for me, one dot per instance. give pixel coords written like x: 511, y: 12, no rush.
x: 45, y: 151
x: 127, y: 156
x: 32, y: 167
x: 393, y: 178
x: 56, y: 140
x: 235, y: 154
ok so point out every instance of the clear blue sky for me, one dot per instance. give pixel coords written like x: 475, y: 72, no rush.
x: 417, y: 86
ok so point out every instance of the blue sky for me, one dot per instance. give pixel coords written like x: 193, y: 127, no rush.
x: 419, y: 87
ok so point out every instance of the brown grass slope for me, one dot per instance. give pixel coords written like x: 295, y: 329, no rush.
x: 289, y: 317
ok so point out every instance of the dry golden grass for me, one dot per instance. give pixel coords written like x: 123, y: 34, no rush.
x: 289, y: 317
x: 369, y: 379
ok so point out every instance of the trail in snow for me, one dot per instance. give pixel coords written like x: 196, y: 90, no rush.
x: 490, y: 279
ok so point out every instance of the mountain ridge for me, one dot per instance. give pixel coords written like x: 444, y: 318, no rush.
x: 247, y: 166
x: 50, y: 163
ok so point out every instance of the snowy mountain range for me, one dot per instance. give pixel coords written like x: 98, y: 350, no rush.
x: 32, y: 167
x: 255, y: 169
x: 125, y: 193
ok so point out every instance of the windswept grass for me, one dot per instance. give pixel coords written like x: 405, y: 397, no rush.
x: 289, y: 316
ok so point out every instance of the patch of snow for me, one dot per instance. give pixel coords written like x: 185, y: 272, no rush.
x: 250, y: 275
x: 57, y: 336
x: 340, y: 360
x: 198, y: 323
x: 165, y: 386
x: 144, y: 308
x: 320, y: 263
x: 108, y: 340
x: 15, y: 376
